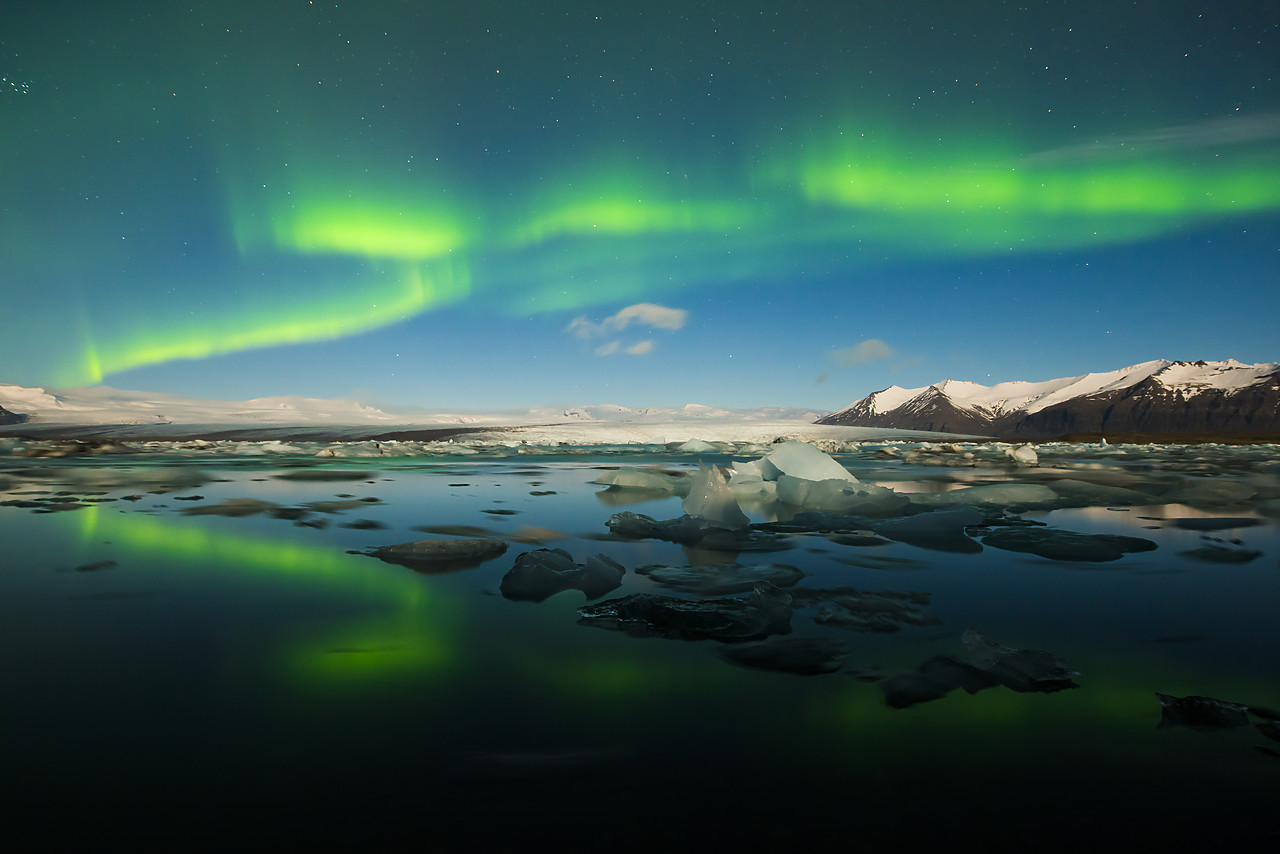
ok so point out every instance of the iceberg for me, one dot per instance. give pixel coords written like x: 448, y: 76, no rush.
x: 804, y: 461
x: 711, y: 501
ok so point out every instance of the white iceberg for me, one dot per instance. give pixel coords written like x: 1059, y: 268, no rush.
x: 712, y: 502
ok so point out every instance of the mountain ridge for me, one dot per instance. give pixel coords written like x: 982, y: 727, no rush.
x: 1159, y: 396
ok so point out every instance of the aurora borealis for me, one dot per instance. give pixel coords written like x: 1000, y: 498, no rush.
x: 426, y: 203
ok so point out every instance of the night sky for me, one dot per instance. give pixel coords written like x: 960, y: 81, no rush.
x: 490, y: 204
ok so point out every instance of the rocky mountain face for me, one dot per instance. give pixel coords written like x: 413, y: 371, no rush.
x: 7, y: 417
x: 1155, y: 397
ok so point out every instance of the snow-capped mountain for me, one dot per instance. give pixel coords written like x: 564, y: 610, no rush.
x: 1153, y: 397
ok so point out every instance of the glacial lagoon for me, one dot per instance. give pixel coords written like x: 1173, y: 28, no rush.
x: 211, y: 644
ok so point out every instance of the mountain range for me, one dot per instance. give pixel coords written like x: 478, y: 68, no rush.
x: 1152, y: 397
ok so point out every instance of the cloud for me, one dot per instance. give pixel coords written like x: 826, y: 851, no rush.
x: 871, y: 350
x: 1234, y: 130
x: 643, y: 314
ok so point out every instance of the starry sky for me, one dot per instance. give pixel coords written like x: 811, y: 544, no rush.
x: 488, y: 204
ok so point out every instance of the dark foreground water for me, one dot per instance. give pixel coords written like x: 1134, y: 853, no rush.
x: 191, y: 679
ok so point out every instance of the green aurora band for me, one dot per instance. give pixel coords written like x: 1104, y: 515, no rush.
x: 344, y: 254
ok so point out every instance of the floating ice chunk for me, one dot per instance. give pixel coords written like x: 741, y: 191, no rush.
x: 1270, y: 507
x: 643, y: 478
x: 233, y: 507
x: 759, y: 490
x: 1023, y: 455
x: 540, y: 574
x: 840, y: 496
x: 743, y: 472
x: 440, y: 555
x: 1019, y: 669
x: 1056, y: 544
x: 802, y: 460
x: 697, y: 446
x: 1209, y: 493
x: 1213, y: 553
x: 941, y: 530
x: 1213, y: 523
x: 1201, y: 712
x: 936, y: 678
x: 1079, y: 493
x: 867, y: 610
x: 996, y: 495
x: 804, y: 656
x: 711, y: 501
x: 765, y: 611
x: 718, y: 579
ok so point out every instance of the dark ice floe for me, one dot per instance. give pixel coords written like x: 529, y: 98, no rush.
x: 1056, y: 544
x: 933, y: 680
x: 1211, y: 493
x: 1213, y: 523
x: 763, y: 612
x: 990, y: 664
x: 694, y: 532
x: 1019, y: 669
x: 866, y: 611
x: 233, y: 507
x: 1201, y: 712
x: 540, y: 574
x: 1222, y: 553
x: 803, y: 656
x: 941, y: 530
x: 719, y: 579
x: 1080, y: 493
x: 439, y: 555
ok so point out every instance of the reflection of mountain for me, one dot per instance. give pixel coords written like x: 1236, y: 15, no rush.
x: 1153, y: 397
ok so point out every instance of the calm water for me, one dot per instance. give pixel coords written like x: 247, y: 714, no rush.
x: 198, y: 679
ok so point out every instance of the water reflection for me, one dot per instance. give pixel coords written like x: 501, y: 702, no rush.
x: 266, y: 666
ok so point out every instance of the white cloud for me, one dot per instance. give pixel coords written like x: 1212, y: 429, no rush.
x: 644, y: 313
x: 871, y: 350
x: 647, y: 314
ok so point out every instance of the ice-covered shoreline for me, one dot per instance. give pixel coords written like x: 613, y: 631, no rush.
x: 418, y: 439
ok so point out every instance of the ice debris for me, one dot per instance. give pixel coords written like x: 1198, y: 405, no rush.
x: 1079, y: 493
x: 718, y: 579
x: 540, y: 574
x: 1023, y: 455
x: 1200, y: 712
x: 645, y: 478
x: 1020, y: 669
x: 803, y: 656
x: 866, y: 611
x: 694, y: 532
x: 439, y: 555
x: 1004, y: 496
x: 765, y: 611
x: 941, y: 530
x: 933, y: 680
x: 1216, y: 553
x: 1211, y: 493
x: 1056, y: 544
